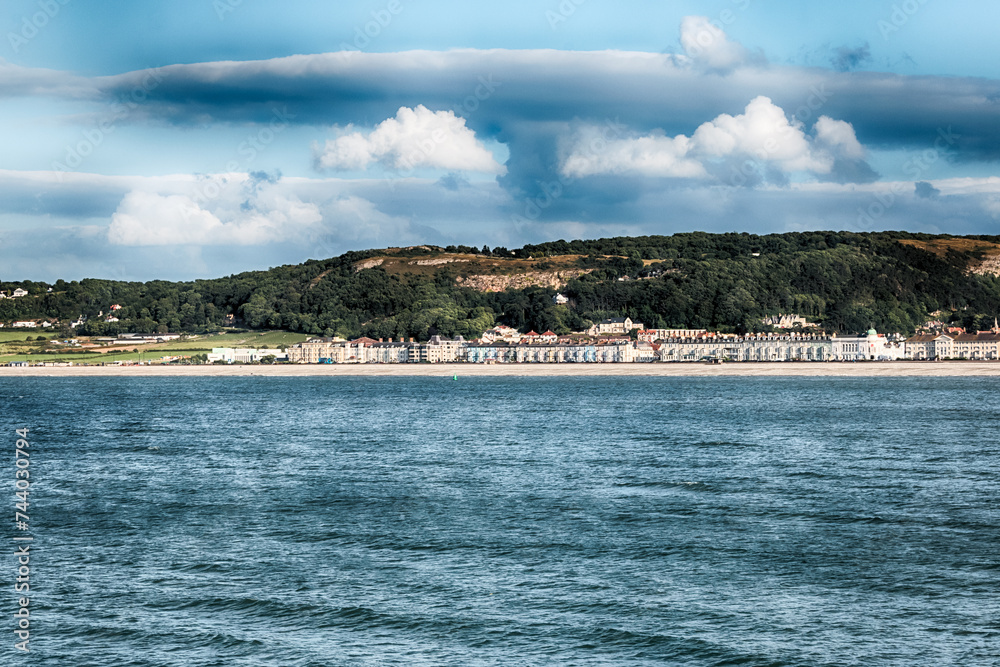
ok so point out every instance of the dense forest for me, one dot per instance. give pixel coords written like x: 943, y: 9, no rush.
x: 845, y: 282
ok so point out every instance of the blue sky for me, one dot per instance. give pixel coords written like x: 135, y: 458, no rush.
x: 198, y: 138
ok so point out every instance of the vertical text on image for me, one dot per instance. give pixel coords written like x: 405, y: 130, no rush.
x: 22, y: 540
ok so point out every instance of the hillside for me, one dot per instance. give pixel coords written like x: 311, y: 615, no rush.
x: 843, y: 281
x: 984, y: 256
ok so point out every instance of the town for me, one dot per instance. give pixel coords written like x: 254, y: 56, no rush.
x: 612, y: 341
x: 615, y: 340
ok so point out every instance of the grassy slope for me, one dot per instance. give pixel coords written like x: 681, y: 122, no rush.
x: 188, y: 347
x: 9, y: 335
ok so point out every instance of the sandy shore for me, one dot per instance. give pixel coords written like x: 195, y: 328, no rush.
x: 799, y: 369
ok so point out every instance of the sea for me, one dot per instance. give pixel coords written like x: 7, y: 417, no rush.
x: 447, y: 520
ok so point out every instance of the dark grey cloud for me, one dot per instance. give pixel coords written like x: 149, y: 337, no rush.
x: 453, y: 181
x: 848, y: 59
x: 925, y: 190
x: 494, y: 88
x: 422, y: 211
x: 852, y: 171
x: 530, y: 101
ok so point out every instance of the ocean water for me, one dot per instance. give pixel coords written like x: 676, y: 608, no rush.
x: 508, y: 521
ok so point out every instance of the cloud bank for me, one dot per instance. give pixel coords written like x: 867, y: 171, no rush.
x: 591, y: 144
x: 762, y: 134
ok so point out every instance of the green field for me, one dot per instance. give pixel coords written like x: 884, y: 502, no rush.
x: 206, y: 342
x: 9, y: 335
x: 107, y: 357
x: 195, y: 344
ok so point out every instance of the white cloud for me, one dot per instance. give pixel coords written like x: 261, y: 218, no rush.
x: 415, y: 138
x: 16, y: 80
x: 707, y: 45
x: 761, y: 134
x: 654, y: 155
x: 839, y: 137
x: 146, y: 218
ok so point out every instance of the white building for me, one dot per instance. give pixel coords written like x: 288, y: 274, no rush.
x: 501, y: 333
x: 441, y: 350
x: 981, y: 345
x: 614, y: 326
x: 148, y: 338
x: 653, y: 335
x: 787, y: 321
x: 615, y: 353
x: 752, y: 347
x: 19, y: 292
x: 26, y: 324
x: 873, y: 346
x: 244, y: 355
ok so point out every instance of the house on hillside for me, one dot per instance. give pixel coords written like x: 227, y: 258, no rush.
x: 148, y: 337
x: 787, y: 321
x: 501, y: 332
x: 613, y: 326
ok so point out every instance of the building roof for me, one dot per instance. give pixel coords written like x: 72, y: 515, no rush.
x: 981, y: 337
x: 364, y: 340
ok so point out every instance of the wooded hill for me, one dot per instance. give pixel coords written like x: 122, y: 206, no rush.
x: 846, y: 282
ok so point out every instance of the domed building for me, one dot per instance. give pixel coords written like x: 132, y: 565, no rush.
x: 872, y: 346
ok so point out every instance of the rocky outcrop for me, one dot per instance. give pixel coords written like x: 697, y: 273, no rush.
x: 988, y: 266
x: 368, y: 264
x: 553, y: 279
x: 435, y: 262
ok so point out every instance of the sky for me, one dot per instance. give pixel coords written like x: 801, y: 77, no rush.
x: 200, y: 138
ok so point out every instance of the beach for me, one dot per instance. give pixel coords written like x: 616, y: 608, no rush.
x: 746, y: 369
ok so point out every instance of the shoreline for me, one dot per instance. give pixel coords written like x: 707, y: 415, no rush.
x: 741, y: 369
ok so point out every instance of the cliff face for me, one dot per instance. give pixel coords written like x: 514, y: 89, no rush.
x: 989, y: 265
x: 368, y: 264
x: 494, y: 283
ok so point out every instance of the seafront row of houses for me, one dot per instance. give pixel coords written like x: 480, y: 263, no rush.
x: 506, y: 345
x: 650, y: 347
